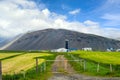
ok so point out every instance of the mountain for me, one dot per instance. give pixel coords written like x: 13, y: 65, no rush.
x: 55, y: 38
x: 118, y: 39
x: 3, y: 41
x: 6, y: 42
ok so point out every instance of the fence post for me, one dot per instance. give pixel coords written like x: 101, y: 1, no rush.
x: 84, y: 65
x: 44, y: 66
x: 81, y: 62
x: 41, y: 68
x: 98, y: 67
x: 0, y: 70
x: 23, y: 73
x: 36, y: 65
x: 110, y: 67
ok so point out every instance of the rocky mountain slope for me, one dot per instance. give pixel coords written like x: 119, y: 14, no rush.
x: 55, y: 38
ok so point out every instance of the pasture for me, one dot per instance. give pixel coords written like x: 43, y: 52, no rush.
x: 22, y: 62
x: 14, y: 63
x: 102, y: 57
x: 96, y: 63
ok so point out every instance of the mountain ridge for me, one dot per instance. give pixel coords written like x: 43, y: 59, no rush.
x: 49, y: 39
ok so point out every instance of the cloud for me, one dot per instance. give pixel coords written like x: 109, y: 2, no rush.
x: 21, y: 16
x: 91, y: 23
x: 74, y: 12
x: 111, y: 19
x: 111, y: 16
x: 108, y: 6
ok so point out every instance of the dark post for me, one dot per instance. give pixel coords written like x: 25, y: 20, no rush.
x: 66, y: 44
x: 0, y: 70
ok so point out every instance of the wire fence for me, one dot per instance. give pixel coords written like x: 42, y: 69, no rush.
x: 23, y: 74
x: 93, y: 66
x: 80, y: 65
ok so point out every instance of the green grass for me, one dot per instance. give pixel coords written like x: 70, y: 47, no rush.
x: 15, y: 63
x: 6, y: 55
x: 92, y: 59
x: 102, y: 57
x: 22, y: 62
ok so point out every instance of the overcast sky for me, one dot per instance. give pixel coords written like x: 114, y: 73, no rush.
x: 100, y: 17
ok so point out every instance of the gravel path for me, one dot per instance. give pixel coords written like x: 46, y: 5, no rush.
x: 67, y: 72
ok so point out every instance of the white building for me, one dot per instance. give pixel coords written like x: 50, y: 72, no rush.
x: 110, y: 49
x: 59, y: 50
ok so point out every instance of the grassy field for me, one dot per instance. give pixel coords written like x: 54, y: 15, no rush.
x: 22, y: 62
x: 6, y: 55
x: 15, y: 63
x: 92, y: 58
x: 102, y: 57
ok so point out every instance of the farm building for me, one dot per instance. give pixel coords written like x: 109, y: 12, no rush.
x: 59, y: 50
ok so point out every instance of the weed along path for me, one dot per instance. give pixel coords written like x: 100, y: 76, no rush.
x: 62, y: 70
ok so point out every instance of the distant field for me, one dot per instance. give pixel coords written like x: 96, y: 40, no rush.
x: 4, y: 55
x: 102, y: 57
x: 21, y: 62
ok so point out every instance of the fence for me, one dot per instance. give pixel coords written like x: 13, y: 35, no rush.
x: 40, y: 68
x: 92, y: 66
x: 61, y: 66
x: 23, y: 74
x: 79, y: 63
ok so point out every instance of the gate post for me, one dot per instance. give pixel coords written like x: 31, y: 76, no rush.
x: 0, y: 70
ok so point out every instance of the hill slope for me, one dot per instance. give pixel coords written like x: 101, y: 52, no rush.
x: 55, y: 38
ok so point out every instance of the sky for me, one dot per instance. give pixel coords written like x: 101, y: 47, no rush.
x: 99, y: 17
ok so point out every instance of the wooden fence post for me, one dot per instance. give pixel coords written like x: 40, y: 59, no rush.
x: 98, y: 67
x: 44, y: 66
x: 81, y: 62
x: 110, y: 67
x: 0, y: 70
x: 23, y: 73
x: 84, y: 65
x: 36, y: 65
x: 41, y: 68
